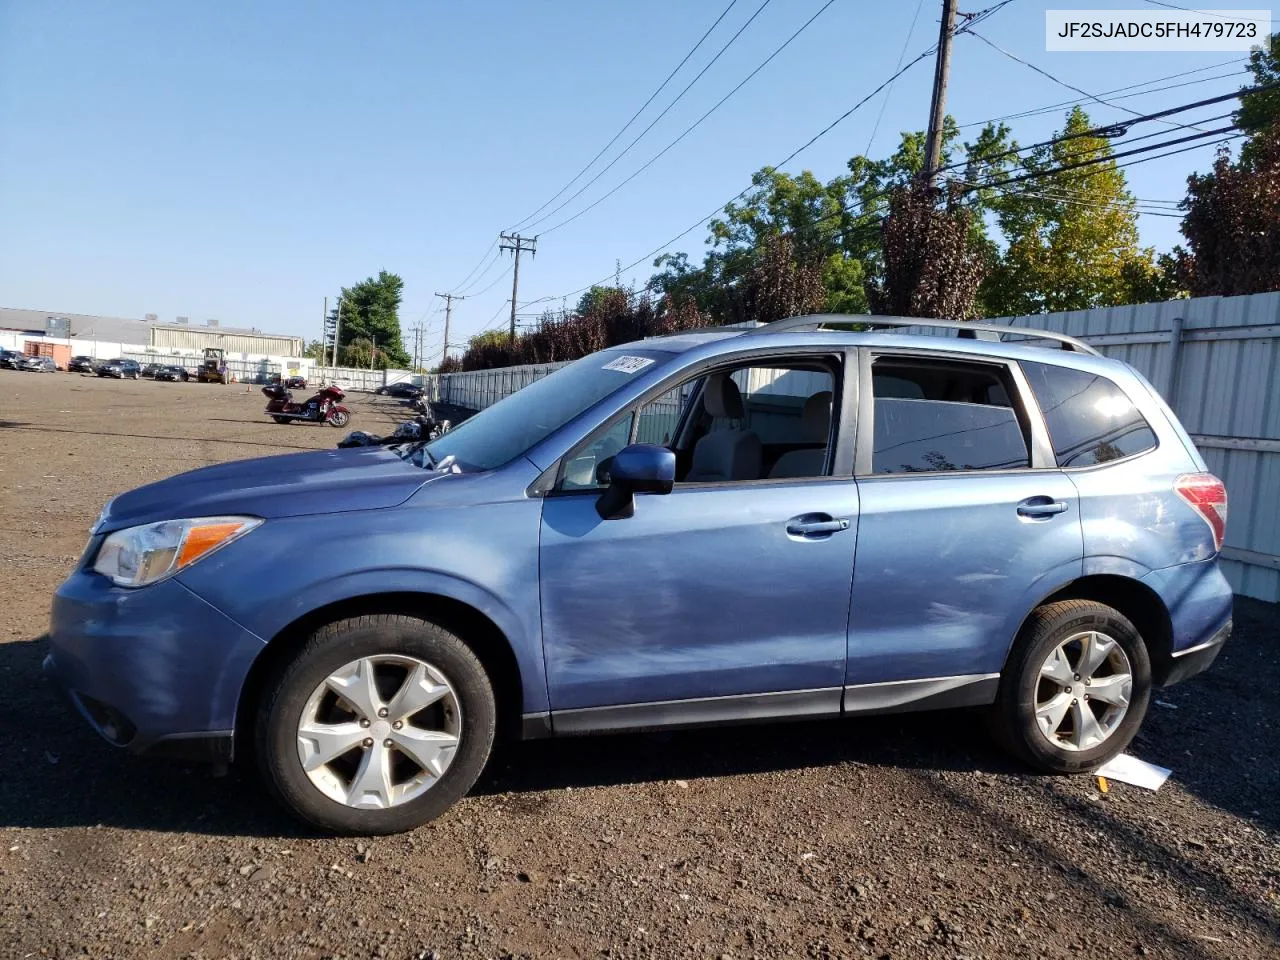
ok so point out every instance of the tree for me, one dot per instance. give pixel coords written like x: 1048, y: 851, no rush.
x: 371, y: 312
x: 933, y: 264
x: 316, y: 351
x: 1258, y: 111
x: 1071, y: 236
x: 1232, y: 222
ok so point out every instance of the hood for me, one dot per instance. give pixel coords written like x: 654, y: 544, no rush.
x: 323, y: 481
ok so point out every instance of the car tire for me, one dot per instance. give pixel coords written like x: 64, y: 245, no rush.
x: 291, y: 696
x: 1040, y: 712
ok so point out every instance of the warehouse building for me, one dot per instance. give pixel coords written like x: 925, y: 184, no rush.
x: 149, y: 332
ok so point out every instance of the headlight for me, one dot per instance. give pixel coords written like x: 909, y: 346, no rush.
x: 141, y: 555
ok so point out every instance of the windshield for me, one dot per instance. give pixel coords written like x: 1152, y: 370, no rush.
x: 511, y: 426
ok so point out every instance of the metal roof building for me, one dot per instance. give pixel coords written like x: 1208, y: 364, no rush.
x: 148, y: 332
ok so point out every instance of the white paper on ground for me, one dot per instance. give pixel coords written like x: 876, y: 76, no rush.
x: 1129, y: 769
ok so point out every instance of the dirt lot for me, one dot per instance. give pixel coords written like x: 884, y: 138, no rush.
x: 896, y: 837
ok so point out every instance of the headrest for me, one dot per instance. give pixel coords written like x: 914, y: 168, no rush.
x: 816, y: 417
x: 722, y: 398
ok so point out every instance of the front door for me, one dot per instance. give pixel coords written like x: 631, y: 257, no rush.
x: 720, y: 600
x: 965, y: 526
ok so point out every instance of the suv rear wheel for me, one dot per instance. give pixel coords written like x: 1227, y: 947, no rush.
x: 1075, y: 689
x: 378, y: 725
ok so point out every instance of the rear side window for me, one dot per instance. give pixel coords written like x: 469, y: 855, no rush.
x: 1090, y: 419
x: 936, y: 415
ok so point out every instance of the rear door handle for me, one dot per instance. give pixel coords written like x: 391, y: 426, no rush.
x: 1041, y: 507
x: 815, y: 526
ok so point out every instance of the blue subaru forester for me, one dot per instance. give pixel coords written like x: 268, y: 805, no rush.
x: 793, y: 521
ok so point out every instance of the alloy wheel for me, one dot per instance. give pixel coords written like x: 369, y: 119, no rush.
x: 1083, y: 691
x: 379, y: 731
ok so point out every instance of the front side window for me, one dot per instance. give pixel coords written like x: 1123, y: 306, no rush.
x: 1090, y: 419
x: 500, y: 433
x: 941, y: 416
x: 752, y: 422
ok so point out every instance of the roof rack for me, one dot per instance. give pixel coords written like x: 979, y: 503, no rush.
x: 964, y: 329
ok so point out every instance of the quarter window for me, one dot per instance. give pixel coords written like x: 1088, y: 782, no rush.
x: 1090, y: 419
x: 938, y: 416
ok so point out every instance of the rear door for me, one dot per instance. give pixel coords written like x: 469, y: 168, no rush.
x: 965, y: 524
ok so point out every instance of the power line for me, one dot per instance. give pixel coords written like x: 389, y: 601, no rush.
x: 1207, y: 13
x: 1036, y: 111
x: 662, y: 86
x: 1062, y: 83
x: 492, y: 283
x: 458, y: 286
x: 1063, y: 168
x: 791, y: 156
x: 688, y: 130
x: 493, y: 261
x: 911, y: 32
x: 528, y: 223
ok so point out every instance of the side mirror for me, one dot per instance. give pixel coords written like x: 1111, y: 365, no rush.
x: 639, y: 468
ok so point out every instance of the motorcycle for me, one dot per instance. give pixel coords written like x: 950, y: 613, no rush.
x: 324, y: 407
x: 411, y: 431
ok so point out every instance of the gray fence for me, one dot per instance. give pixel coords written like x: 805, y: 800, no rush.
x: 367, y: 381
x: 243, y: 371
x: 1216, y: 360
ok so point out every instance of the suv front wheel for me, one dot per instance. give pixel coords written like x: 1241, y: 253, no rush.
x: 378, y: 725
x: 1075, y: 689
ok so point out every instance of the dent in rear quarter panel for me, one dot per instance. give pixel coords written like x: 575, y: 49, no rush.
x: 466, y: 537
x: 1132, y: 520
x: 1197, y: 597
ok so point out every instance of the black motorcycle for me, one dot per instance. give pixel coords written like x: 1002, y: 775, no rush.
x: 411, y: 431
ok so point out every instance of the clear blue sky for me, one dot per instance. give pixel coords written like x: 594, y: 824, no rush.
x: 242, y: 160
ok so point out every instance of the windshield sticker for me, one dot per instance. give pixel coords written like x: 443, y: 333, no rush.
x: 628, y: 364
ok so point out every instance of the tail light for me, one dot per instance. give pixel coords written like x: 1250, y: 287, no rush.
x: 1207, y: 495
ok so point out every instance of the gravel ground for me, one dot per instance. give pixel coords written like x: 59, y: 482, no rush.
x: 895, y: 837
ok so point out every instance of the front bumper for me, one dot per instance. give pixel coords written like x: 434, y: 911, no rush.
x: 153, y: 670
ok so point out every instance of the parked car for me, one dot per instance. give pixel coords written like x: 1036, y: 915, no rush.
x: 120, y: 368
x: 12, y: 359
x: 151, y: 369
x: 662, y: 534
x: 403, y: 389
x: 81, y: 364
x: 39, y: 365
x: 173, y: 374
x: 295, y: 383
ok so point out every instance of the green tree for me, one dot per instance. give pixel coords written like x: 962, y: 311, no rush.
x: 1071, y: 236
x: 315, y: 350
x: 371, y: 312
x: 1260, y: 110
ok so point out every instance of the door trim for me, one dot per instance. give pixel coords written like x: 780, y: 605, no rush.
x: 708, y: 711
x: 893, y: 696
x: 934, y: 693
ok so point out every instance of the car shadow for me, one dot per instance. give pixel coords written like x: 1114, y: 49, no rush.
x: 46, y: 773
x: 1213, y: 730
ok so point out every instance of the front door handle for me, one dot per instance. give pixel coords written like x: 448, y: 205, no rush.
x: 812, y: 526
x: 1042, y: 507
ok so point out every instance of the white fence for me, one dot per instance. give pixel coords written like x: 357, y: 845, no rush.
x: 368, y: 381
x: 1215, y: 359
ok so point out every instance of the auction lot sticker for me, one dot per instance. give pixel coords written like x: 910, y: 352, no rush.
x: 1159, y: 31
x: 628, y: 364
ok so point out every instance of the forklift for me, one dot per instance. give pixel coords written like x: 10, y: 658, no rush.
x: 214, y: 367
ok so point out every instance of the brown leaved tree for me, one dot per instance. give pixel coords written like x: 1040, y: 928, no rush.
x: 1232, y: 222
x: 932, y: 265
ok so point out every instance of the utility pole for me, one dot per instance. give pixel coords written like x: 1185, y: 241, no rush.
x: 324, y: 332
x: 938, y: 107
x: 448, y: 299
x: 337, y: 329
x: 517, y: 245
